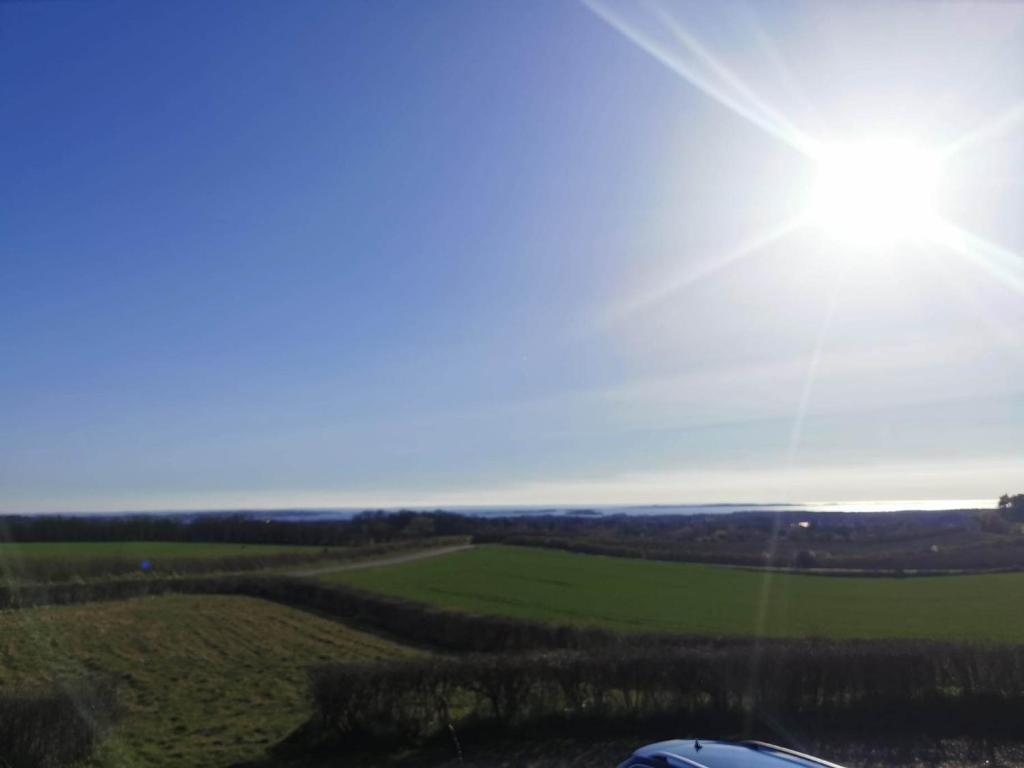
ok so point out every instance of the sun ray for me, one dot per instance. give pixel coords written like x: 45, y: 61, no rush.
x: 784, y: 71
x: 752, y: 112
x: 1009, y: 337
x: 720, y: 70
x: 795, y: 435
x: 709, y: 267
x: 1009, y: 121
x: 1004, y: 265
x: 796, y: 431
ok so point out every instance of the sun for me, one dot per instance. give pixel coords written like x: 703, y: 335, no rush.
x: 874, y: 193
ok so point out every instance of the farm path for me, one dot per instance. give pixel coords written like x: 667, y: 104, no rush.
x: 392, y: 560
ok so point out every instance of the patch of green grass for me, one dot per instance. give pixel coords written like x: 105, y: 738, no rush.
x: 205, y: 680
x: 641, y: 595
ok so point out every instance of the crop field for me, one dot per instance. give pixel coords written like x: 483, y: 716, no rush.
x: 204, y: 680
x: 641, y: 595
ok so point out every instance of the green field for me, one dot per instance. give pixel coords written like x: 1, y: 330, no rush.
x: 643, y: 595
x: 205, y: 681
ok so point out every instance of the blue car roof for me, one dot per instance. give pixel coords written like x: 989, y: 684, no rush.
x: 726, y: 754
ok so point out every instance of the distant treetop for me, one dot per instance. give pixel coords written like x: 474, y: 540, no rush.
x: 1012, y: 505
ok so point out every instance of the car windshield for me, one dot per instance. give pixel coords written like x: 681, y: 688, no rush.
x: 511, y: 383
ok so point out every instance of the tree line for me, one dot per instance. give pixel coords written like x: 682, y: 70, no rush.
x: 371, y: 527
x: 379, y: 526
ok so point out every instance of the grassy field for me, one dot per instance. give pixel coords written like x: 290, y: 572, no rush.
x: 644, y: 595
x: 205, y: 681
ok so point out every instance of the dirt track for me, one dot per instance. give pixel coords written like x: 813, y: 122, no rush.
x: 392, y: 560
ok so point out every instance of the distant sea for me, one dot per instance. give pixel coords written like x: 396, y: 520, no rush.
x: 597, y: 510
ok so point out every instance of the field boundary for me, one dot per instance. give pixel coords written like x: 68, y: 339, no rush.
x: 47, y: 569
x: 430, y: 626
x: 688, y: 558
x: 376, y: 562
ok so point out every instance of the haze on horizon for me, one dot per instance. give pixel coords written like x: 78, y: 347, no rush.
x: 271, y: 254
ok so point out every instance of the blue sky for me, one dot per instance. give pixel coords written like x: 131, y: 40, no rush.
x: 322, y: 253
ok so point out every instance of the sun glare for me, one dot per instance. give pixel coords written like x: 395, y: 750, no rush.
x: 874, y: 193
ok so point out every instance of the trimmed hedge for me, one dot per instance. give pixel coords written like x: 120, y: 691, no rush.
x: 859, y: 688
x: 58, y: 728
